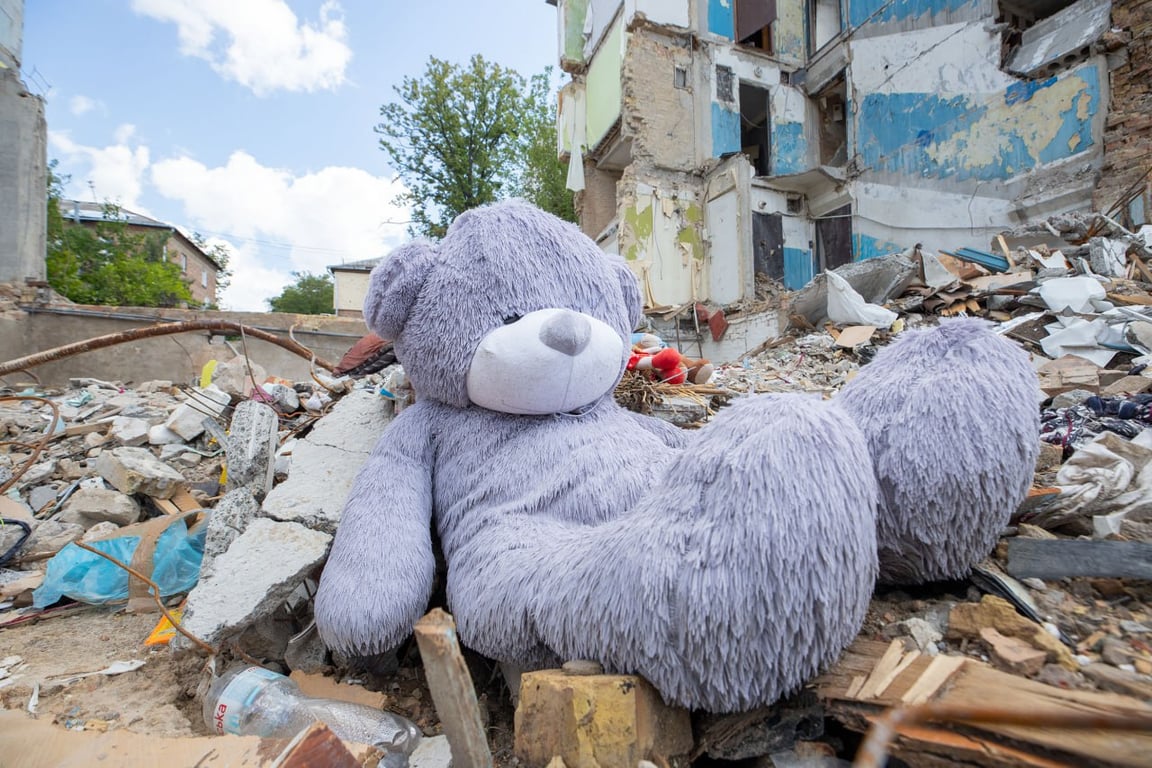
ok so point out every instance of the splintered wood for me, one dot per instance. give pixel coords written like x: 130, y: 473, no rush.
x: 873, y: 677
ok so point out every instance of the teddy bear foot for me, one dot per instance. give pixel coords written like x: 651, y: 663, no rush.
x: 952, y: 421
x: 746, y: 571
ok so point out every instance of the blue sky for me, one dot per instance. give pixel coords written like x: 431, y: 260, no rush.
x: 250, y: 121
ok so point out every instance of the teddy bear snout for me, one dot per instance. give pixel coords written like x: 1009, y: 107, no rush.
x: 567, y: 332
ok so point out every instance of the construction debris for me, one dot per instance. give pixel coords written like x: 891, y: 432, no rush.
x: 1058, y: 621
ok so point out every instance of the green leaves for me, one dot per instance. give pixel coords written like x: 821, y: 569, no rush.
x: 309, y: 295
x: 109, y: 264
x: 464, y: 136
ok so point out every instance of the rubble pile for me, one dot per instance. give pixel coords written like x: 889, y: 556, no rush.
x: 251, y: 471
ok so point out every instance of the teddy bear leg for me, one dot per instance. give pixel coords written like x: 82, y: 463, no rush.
x: 745, y: 571
x: 952, y: 421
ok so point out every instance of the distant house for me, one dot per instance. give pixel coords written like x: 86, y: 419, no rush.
x: 198, y: 269
x: 350, y: 286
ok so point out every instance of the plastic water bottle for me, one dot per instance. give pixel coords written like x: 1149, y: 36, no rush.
x: 254, y: 701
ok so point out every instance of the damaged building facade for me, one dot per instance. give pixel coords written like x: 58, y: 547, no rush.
x: 712, y: 140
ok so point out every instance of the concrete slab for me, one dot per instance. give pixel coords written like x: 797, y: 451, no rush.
x: 260, y: 570
x: 876, y: 280
x: 228, y: 519
x: 136, y: 470
x: 325, y: 463
x: 251, y: 447
x: 1044, y: 45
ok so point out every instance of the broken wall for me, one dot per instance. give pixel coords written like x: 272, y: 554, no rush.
x: 1128, y: 134
x: 950, y: 149
x: 178, y: 357
x: 658, y: 88
x: 660, y: 236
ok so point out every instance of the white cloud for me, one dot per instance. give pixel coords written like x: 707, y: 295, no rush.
x: 273, y: 221
x: 82, y: 105
x: 114, y: 173
x: 300, y: 223
x: 124, y: 133
x: 260, y: 44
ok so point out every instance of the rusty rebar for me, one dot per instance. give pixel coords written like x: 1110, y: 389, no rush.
x: 152, y: 331
x: 155, y: 593
x: 36, y: 447
x: 873, y: 753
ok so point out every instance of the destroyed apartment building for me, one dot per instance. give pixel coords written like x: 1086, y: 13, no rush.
x: 714, y: 141
x: 796, y: 186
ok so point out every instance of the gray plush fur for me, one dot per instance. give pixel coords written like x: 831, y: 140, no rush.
x: 952, y: 423
x: 726, y: 565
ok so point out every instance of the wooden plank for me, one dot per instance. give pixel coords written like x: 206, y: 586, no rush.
x: 1057, y: 559
x: 939, y: 670
x: 888, y: 662
x: 1119, y: 298
x: 1141, y: 267
x: 185, y: 501
x: 452, y: 690
x: 964, y: 682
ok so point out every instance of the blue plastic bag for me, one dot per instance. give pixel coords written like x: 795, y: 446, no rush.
x: 88, y: 578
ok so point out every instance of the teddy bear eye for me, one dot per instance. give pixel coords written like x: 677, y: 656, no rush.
x: 511, y: 319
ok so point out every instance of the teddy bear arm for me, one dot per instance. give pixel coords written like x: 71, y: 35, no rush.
x: 379, y: 574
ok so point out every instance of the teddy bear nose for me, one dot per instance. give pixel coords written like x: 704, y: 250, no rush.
x: 566, y: 332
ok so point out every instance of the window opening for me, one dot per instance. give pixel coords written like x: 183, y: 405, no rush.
x: 756, y: 127
x: 754, y: 19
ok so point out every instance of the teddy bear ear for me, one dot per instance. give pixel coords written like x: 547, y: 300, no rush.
x: 393, y: 287
x: 630, y: 290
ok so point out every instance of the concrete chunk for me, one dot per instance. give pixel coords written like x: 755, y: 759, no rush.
x: 161, y: 435
x: 188, y: 419
x: 877, y: 280
x: 88, y: 506
x: 136, y: 470
x: 129, y: 431
x: 261, y: 569
x: 228, y: 519
x: 251, y: 447
x: 325, y: 463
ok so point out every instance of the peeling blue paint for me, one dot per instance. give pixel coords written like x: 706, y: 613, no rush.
x: 860, y: 11
x: 868, y: 247
x: 897, y: 133
x: 1025, y: 89
x: 798, y: 268
x: 789, y: 149
x: 896, y: 129
x: 725, y: 130
x: 1075, y: 135
x: 720, y: 18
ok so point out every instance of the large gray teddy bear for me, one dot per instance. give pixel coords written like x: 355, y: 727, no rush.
x: 726, y: 565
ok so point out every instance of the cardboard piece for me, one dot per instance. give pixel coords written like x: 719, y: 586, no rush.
x: 855, y: 335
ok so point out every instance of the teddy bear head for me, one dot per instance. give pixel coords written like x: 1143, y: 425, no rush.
x: 514, y: 310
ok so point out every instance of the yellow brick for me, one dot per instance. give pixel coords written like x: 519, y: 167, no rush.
x: 596, y: 721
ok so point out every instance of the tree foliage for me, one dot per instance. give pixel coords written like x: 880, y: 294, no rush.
x: 309, y: 295
x: 109, y: 263
x: 543, y: 176
x: 219, y: 254
x: 463, y: 136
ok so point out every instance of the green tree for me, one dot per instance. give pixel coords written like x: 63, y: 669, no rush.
x: 309, y: 295
x: 543, y: 176
x: 460, y: 137
x: 109, y: 263
x: 219, y: 254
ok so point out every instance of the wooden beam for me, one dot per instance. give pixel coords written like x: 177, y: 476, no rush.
x: 960, y: 683
x: 452, y: 691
